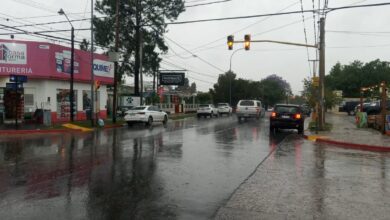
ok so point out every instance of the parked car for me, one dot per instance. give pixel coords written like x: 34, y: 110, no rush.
x: 249, y: 109
x: 224, y: 108
x: 207, y: 110
x: 348, y: 107
x: 146, y: 114
x: 374, y: 108
x: 357, y: 108
x: 287, y: 116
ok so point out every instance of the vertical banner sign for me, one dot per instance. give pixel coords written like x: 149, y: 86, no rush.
x: 172, y: 79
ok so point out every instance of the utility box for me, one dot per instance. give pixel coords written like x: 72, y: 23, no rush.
x: 47, y: 117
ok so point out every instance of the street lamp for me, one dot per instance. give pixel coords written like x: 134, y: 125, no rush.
x: 230, y: 78
x: 71, y: 95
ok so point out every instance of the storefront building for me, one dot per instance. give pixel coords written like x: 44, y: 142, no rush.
x: 47, y: 67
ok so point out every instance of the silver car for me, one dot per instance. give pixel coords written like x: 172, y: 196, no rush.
x: 249, y: 109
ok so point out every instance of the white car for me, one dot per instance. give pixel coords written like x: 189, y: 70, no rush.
x: 207, y: 110
x: 249, y: 109
x: 224, y: 108
x: 146, y: 114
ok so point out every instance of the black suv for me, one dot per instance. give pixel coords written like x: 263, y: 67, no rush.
x: 287, y: 116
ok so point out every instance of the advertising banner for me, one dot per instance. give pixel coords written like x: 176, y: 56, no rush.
x: 172, y: 78
x: 40, y: 60
x: 13, y: 53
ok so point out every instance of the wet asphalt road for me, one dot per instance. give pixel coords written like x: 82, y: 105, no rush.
x: 184, y: 171
x: 188, y: 170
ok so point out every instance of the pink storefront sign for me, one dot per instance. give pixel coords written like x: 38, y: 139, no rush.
x: 39, y: 60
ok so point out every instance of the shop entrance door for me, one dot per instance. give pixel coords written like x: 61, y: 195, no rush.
x: 13, y: 105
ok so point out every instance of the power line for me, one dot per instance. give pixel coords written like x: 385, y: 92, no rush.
x: 203, y: 60
x: 208, y: 3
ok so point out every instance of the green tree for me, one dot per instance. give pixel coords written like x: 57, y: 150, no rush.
x: 138, y: 19
x: 274, y: 89
x: 350, y: 78
x: 204, y: 98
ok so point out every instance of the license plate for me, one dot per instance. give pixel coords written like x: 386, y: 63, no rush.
x: 285, y: 116
x: 132, y: 114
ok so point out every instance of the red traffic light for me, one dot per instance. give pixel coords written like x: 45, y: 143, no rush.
x: 230, y: 42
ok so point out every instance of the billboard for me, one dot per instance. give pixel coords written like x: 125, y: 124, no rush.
x: 172, y: 79
x: 13, y: 53
x: 40, y: 60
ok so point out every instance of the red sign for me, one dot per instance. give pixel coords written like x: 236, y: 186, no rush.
x: 40, y: 60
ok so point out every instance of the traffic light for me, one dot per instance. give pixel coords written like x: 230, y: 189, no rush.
x: 97, y: 84
x: 230, y: 41
x: 247, y: 43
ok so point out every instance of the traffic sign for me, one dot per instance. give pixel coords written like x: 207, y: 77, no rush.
x: 18, y: 78
x: 13, y: 86
x: 316, y: 81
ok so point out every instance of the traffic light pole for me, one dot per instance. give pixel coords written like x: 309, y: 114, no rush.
x: 278, y: 42
x: 230, y: 78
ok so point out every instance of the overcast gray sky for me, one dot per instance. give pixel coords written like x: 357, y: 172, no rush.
x: 364, y: 41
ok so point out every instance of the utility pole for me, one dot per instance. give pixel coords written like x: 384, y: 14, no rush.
x: 92, y: 72
x: 137, y: 48
x: 321, y: 113
x: 383, y: 106
x: 114, y: 108
x: 141, y: 94
x: 72, y: 77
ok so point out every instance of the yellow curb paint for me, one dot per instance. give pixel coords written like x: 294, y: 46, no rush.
x: 314, y: 137
x: 76, y: 127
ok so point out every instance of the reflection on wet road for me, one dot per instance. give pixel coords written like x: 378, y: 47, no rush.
x: 184, y: 171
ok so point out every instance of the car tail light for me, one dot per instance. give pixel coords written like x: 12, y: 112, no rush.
x: 257, y: 109
x: 298, y: 116
x: 141, y: 113
x: 273, y: 114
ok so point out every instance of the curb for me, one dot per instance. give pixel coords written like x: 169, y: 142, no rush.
x: 348, y: 145
x: 38, y: 131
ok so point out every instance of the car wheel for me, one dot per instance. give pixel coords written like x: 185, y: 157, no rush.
x: 150, y: 122
x: 198, y: 116
x: 129, y: 124
x: 300, y: 129
x: 165, y: 121
x: 211, y: 115
x: 350, y: 113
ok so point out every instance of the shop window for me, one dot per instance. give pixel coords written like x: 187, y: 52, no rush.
x: 29, y: 99
x: 63, y: 103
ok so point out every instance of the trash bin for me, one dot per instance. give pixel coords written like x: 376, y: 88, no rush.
x: 38, y: 116
x: 88, y: 113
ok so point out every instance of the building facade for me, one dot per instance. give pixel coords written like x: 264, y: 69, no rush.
x: 47, y: 67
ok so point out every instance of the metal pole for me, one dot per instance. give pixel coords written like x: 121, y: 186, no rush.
x: 71, y: 97
x: 230, y: 78
x: 140, y: 68
x: 383, y: 107
x: 322, y: 75
x: 114, y: 108
x: 92, y: 73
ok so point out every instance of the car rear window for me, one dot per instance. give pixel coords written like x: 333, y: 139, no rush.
x: 287, y: 109
x: 139, y: 108
x: 247, y: 103
x: 203, y: 106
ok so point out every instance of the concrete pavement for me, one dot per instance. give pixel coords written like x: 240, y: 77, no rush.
x: 345, y: 131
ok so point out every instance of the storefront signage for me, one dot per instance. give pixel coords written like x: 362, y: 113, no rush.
x: 13, y: 86
x: 18, y: 78
x: 103, y: 68
x: 13, y: 53
x: 172, y: 79
x: 48, y: 61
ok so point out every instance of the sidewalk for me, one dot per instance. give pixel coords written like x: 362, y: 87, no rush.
x: 344, y: 131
